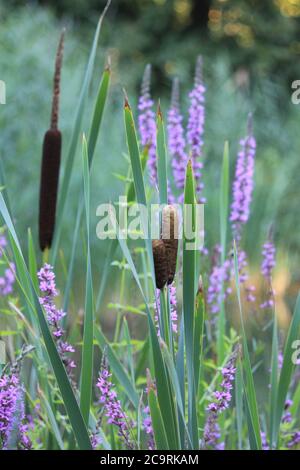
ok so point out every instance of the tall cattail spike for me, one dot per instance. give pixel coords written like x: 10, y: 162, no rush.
x: 56, y: 82
x: 160, y: 263
x: 49, y: 186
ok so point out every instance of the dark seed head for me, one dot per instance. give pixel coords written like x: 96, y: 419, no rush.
x: 170, y: 238
x: 51, y: 161
x: 49, y: 186
x: 160, y: 263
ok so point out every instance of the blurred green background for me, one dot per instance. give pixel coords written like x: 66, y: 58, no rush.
x: 250, y: 51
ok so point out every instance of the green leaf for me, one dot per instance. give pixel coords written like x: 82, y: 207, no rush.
x: 287, y: 366
x: 189, y: 283
x: 253, y: 417
x: 32, y: 261
x: 98, y: 112
x: 93, y: 135
x: 160, y: 434
x: 274, y: 383
x: 138, y: 179
x: 239, y: 402
x: 161, y: 159
x: 224, y: 192
x: 88, y: 329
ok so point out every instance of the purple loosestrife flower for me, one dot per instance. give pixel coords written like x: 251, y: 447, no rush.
x: 147, y: 422
x: 8, y: 278
x: 243, y: 275
x: 195, y: 127
x: 147, y: 124
x: 112, y: 407
x: 147, y: 426
x: 268, y: 263
x: 295, y: 440
x: 12, y: 414
x: 176, y: 139
x: 243, y: 183
x: 264, y: 441
x: 47, y: 286
x: 220, y: 275
x: 173, y: 308
x: 221, y: 402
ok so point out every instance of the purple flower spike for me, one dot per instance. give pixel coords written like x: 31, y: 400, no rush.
x: 267, y: 266
x: 112, y: 406
x: 243, y: 183
x: 8, y: 278
x: 12, y: 414
x: 295, y: 440
x: 221, y: 402
x: 147, y: 425
x: 176, y: 139
x: 147, y: 124
x: 47, y: 286
x: 195, y: 128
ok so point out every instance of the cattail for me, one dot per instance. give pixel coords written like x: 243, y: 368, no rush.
x: 51, y: 161
x: 160, y: 263
x: 170, y: 238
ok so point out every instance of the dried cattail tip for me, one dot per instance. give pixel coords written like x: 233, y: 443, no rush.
x: 169, y: 236
x: 160, y: 263
x: 56, y: 82
x: 51, y: 161
x: 49, y: 186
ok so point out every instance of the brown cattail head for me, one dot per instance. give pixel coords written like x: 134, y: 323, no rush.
x: 51, y: 161
x: 56, y: 82
x: 160, y: 263
x: 169, y: 236
x: 49, y: 186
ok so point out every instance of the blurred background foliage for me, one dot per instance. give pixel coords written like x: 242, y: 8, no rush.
x: 250, y: 49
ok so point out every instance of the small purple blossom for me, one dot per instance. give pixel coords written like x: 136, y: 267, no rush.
x: 195, y: 127
x: 176, y: 140
x: 147, y: 426
x: 294, y: 440
x: 147, y: 124
x: 112, y: 407
x: 12, y: 414
x: 243, y: 183
x: 8, y: 277
x: 267, y: 266
x: 220, y: 403
x: 264, y: 441
x: 220, y: 275
x: 47, y: 286
x: 216, y: 292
